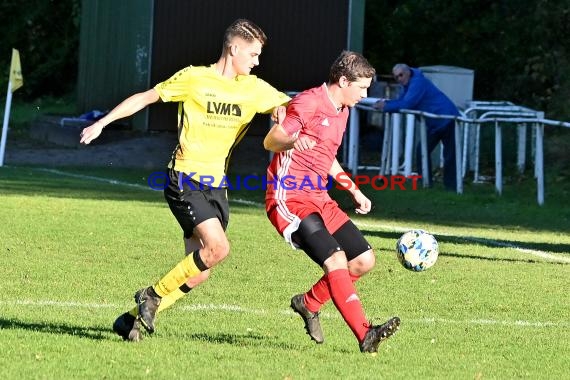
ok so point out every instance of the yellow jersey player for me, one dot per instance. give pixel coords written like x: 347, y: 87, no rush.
x: 216, y: 104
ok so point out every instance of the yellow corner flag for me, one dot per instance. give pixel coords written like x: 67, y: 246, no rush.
x: 16, y: 78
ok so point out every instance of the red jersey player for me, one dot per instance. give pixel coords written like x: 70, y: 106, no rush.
x: 306, y: 141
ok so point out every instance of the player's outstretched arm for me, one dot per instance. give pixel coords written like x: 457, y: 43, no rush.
x: 127, y: 107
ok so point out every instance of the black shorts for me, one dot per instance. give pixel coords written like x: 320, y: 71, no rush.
x: 351, y: 240
x: 194, y: 203
x: 319, y: 244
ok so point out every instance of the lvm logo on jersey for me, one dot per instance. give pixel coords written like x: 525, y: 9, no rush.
x: 223, y: 109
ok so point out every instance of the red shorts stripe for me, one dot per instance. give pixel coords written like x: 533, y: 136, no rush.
x: 281, y: 213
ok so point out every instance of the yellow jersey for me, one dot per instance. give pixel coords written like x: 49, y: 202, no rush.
x: 213, y: 116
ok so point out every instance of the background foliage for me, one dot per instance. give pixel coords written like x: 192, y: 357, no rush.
x: 516, y: 47
x: 46, y: 32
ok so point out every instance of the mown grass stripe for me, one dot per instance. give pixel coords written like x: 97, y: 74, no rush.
x: 534, y: 252
x: 240, y: 309
x: 474, y: 239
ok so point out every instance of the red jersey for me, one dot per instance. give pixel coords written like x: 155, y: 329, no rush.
x: 300, y: 174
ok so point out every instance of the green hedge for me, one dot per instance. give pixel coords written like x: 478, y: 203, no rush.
x: 46, y: 33
x: 518, y: 48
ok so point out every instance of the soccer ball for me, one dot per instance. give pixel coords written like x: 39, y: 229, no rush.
x: 417, y: 250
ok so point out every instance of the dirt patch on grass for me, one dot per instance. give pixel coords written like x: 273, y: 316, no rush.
x: 125, y: 150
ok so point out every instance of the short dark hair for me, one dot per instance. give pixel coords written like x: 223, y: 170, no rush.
x: 246, y: 30
x: 352, y: 65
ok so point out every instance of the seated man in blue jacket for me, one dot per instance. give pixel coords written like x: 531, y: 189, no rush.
x: 422, y: 95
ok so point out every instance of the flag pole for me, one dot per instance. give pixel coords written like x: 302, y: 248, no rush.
x: 15, y: 82
x: 5, y: 124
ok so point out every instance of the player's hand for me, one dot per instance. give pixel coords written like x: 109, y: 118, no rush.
x: 278, y: 114
x: 364, y: 205
x: 90, y: 133
x: 304, y: 143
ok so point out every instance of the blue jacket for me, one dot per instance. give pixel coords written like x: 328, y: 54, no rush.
x: 422, y: 95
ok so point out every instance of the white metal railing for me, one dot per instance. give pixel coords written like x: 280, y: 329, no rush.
x: 476, y: 114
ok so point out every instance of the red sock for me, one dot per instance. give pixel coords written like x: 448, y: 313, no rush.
x: 347, y: 302
x: 320, y: 294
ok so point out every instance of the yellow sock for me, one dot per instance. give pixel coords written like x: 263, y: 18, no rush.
x: 177, y: 276
x: 166, y: 302
x: 170, y: 299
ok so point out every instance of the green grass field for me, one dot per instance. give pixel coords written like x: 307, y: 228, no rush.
x: 74, y: 250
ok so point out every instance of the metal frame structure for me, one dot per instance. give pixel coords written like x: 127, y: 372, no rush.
x: 477, y: 113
